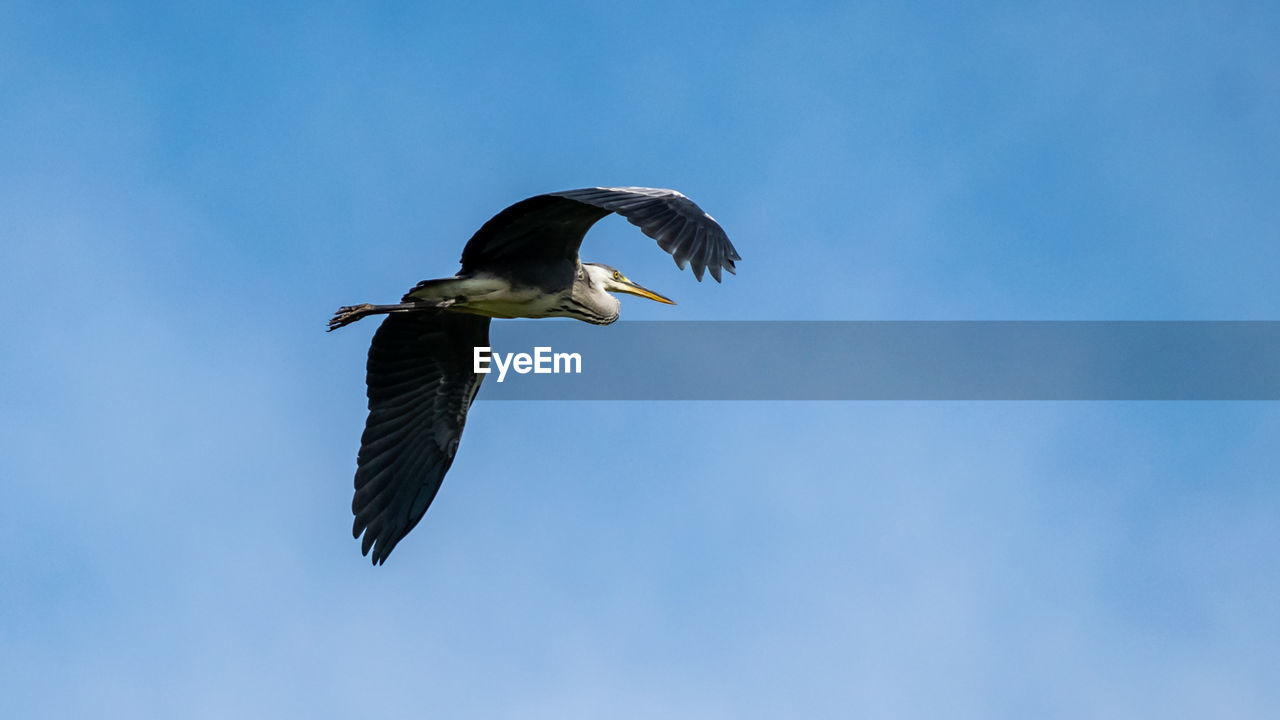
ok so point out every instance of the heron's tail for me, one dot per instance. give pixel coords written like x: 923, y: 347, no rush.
x: 438, y: 289
x: 439, y: 294
x: 456, y: 289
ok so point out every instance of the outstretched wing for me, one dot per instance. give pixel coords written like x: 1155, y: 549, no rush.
x: 421, y: 385
x: 549, y: 228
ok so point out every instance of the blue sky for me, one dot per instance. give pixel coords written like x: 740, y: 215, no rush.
x: 186, y: 195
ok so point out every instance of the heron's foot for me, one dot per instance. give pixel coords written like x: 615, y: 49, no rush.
x: 348, y: 314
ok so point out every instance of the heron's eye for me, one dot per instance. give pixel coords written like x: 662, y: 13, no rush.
x: 617, y: 275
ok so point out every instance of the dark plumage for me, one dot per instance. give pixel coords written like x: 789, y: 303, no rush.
x: 551, y: 227
x: 420, y: 386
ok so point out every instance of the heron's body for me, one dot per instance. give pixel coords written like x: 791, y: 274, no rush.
x: 523, y: 263
x: 495, y: 297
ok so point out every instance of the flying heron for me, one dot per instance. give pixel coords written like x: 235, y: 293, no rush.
x: 521, y: 263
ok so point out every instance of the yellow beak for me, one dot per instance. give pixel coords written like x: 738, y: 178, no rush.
x: 632, y: 288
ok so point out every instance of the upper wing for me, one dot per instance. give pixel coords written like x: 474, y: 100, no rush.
x: 421, y: 385
x: 549, y: 228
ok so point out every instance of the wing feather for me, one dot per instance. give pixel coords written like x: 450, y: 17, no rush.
x: 420, y: 387
x: 549, y: 228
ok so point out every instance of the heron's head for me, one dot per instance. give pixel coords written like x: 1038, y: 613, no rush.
x: 611, y: 279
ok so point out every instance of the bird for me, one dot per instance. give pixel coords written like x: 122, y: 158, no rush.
x: 522, y: 263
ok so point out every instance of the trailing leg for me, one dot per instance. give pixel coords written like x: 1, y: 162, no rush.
x: 351, y: 313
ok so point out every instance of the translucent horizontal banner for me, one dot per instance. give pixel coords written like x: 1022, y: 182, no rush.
x: 882, y: 361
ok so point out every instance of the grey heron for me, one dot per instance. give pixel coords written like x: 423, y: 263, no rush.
x: 523, y: 263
